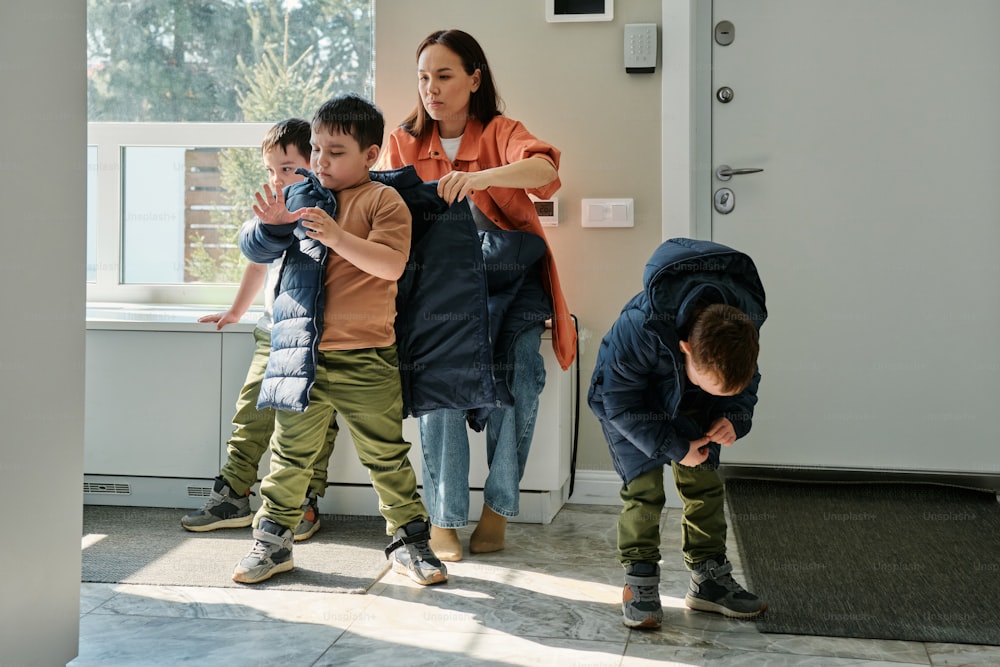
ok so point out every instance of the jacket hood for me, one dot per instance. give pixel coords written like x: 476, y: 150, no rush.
x: 683, y: 271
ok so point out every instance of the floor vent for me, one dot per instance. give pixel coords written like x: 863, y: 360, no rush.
x: 108, y: 488
x: 199, y: 491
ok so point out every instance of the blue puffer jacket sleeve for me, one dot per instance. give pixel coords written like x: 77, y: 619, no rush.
x: 263, y: 243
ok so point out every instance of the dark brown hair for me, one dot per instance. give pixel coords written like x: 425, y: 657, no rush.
x: 485, y: 104
x: 353, y: 115
x: 724, y: 341
x: 291, y: 132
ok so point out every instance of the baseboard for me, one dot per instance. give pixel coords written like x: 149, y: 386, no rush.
x: 342, y: 499
x: 603, y: 487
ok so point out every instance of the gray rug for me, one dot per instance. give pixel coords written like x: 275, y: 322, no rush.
x: 142, y: 545
x: 915, y: 562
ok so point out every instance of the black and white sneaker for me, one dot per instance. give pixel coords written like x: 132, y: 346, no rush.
x: 412, y: 555
x: 223, y: 509
x: 310, y: 518
x: 271, y: 554
x: 713, y: 589
x: 641, y: 606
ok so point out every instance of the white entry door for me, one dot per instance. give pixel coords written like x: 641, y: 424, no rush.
x: 875, y: 225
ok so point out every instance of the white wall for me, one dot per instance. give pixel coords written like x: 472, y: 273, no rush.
x: 43, y: 184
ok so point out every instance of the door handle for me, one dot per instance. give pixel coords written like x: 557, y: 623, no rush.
x: 724, y: 172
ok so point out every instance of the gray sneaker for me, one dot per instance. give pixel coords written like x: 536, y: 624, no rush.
x: 641, y: 596
x: 271, y: 554
x: 412, y: 555
x: 713, y: 589
x: 223, y: 509
x: 310, y: 518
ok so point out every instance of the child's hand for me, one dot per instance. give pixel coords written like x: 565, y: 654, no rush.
x: 271, y: 209
x: 722, y: 432
x: 221, y: 319
x: 697, y: 453
x: 320, y: 226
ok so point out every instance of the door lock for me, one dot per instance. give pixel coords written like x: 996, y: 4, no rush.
x: 725, y: 200
x: 725, y: 33
x: 724, y: 94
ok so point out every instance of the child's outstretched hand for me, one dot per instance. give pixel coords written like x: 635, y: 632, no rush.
x: 220, y: 319
x: 697, y: 453
x: 271, y: 209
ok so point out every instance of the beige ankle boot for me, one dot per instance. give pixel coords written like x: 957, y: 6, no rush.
x: 444, y: 542
x: 489, y: 533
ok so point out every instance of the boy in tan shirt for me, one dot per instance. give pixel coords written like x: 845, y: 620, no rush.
x: 346, y: 241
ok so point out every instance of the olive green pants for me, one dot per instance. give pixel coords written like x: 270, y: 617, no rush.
x: 363, y: 386
x: 252, y: 429
x: 703, y: 525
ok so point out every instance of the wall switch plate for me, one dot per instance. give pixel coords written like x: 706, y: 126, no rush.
x: 640, y: 48
x: 607, y: 212
x: 547, y: 210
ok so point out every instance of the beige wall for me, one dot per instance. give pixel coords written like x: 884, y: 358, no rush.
x: 567, y: 83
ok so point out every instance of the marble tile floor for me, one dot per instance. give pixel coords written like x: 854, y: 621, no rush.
x: 551, y: 598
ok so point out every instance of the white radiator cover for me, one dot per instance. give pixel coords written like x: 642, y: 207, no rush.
x: 158, y: 417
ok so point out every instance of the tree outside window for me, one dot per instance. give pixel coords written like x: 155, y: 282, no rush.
x: 198, y: 61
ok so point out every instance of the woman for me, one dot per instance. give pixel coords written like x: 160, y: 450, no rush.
x: 458, y: 135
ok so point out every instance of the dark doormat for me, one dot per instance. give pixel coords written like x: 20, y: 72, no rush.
x: 144, y: 545
x: 918, y: 562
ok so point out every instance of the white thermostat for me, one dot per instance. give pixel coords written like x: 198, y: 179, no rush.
x: 547, y: 210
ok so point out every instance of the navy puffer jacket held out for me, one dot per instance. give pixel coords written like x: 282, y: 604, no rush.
x: 463, y: 298
x: 300, y: 293
x: 639, y: 378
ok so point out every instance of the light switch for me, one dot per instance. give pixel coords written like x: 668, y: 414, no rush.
x: 607, y: 212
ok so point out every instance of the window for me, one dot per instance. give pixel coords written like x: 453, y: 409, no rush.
x: 180, y: 95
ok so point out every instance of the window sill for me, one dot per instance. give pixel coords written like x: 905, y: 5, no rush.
x: 151, y: 317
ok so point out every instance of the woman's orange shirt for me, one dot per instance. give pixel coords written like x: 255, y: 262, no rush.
x: 502, y: 141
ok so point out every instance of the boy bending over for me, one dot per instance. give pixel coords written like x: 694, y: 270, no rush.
x: 676, y: 378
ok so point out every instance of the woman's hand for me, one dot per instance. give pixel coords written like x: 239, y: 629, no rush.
x: 457, y: 185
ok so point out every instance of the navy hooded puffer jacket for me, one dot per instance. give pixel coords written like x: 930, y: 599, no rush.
x: 638, y: 381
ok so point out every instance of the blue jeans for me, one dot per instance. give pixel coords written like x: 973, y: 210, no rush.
x: 444, y: 443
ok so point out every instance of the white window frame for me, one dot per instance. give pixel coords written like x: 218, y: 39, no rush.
x: 111, y: 139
